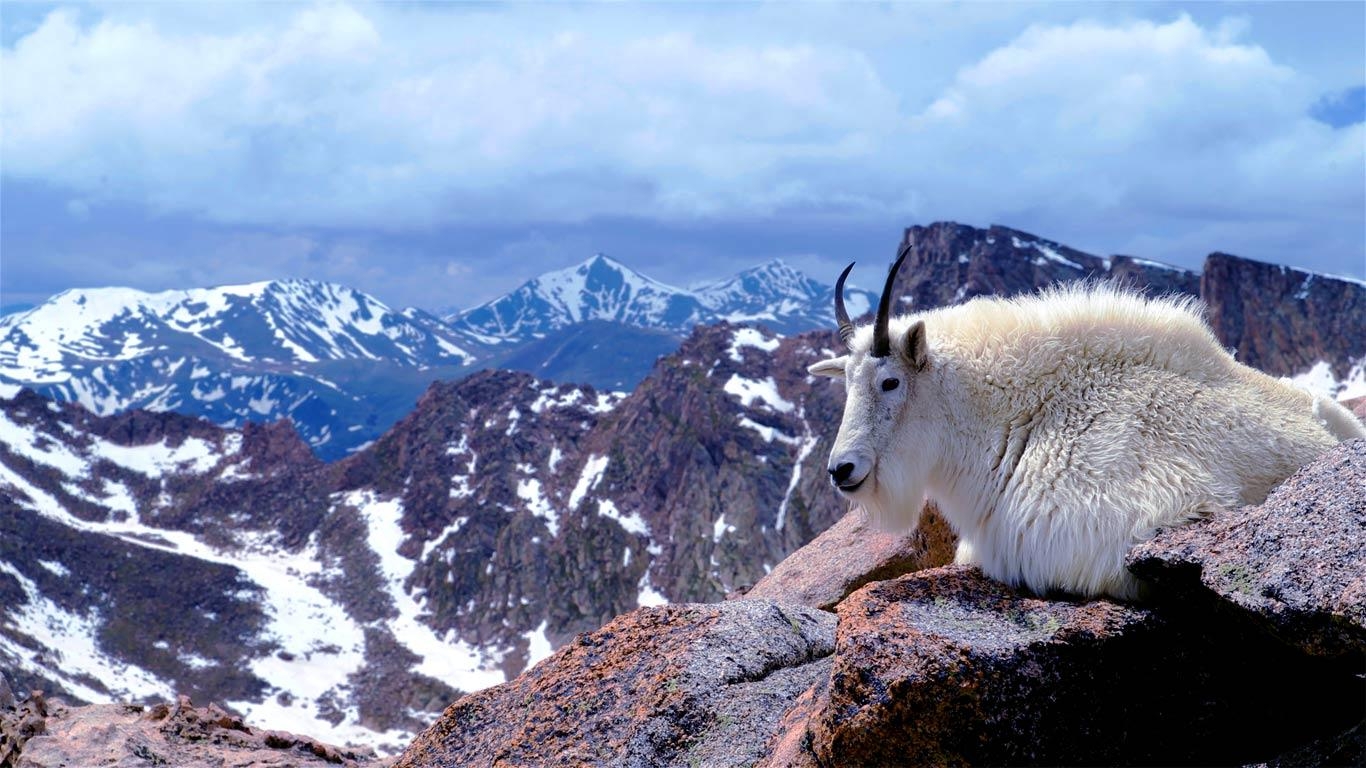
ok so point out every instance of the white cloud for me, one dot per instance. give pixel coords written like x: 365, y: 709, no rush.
x: 335, y: 114
x: 1158, y: 118
x: 395, y: 116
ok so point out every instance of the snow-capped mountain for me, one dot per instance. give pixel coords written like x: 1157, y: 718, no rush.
x: 282, y: 321
x: 264, y: 351
x: 780, y: 298
x: 598, y: 289
x: 606, y: 290
x: 343, y: 367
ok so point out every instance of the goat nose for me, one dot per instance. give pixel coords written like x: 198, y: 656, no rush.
x: 842, y: 472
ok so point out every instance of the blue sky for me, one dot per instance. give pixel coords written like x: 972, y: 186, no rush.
x: 437, y: 154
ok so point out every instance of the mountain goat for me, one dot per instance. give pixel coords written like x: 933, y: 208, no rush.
x: 1055, y: 431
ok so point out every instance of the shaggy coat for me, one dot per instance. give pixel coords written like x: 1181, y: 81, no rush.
x: 1056, y: 431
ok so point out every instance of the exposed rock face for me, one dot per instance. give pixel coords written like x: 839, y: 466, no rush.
x: 951, y: 263
x: 1296, y: 564
x: 180, y: 735
x: 941, y: 667
x: 1281, y: 320
x: 674, y: 685
x: 722, y: 453
x: 949, y: 667
x: 1357, y: 406
x: 850, y: 554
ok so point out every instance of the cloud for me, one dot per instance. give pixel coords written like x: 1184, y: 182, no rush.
x: 404, y: 118
x: 1161, y: 128
x: 336, y: 114
x: 1159, y: 116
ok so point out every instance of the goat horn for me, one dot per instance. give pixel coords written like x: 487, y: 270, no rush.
x: 882, y: 343
x: 842, y: 314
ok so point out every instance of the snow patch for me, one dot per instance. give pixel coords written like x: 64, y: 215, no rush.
x: 529, y: 490
x: 457, y: 663
x: 632, y: 523
x: 52, y: 566
x: 807, y: 444
x: 769, y: 434
x: 538, y: 645
x: 193, y: 455
x: 70, y: 637
x: 1047, y: 253
x: 647, y: 595
x: 765, y: 391
x: 751, y: 337
x: 588, y: 479
x: 1320, y: 380
x: 720, y: 528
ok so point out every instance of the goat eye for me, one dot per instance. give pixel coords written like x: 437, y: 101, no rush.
x: 890, y: 384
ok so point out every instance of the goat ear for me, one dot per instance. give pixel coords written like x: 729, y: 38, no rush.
x: 834, y: 368
x: 917, y: 349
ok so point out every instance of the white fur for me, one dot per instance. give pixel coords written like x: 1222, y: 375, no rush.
x: 1056, y: 431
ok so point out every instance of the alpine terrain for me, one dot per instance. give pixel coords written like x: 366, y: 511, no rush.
x: 343, y: 367
x: 147, y: 553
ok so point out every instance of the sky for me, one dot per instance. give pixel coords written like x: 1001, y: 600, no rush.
x: 439, y: 154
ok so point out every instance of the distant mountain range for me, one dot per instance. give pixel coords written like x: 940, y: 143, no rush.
x: 604, y: 290
x: 344, y: 367
x: 341, y: 365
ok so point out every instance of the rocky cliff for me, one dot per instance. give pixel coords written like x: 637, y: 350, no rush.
x: 1285, y: 321
x: 950, y: 263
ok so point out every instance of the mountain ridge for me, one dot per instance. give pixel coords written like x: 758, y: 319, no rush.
x: 343, y: 366
x: 602, y: 288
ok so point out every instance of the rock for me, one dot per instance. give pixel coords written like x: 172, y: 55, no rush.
x: 791, y: 747
x: 18, y: 725
x: 1357, y: 406
x: 947, y: 667
x: 1296, y: 564
x: 7, y: 700
x: 850, y: 554
x: 179, y: 735
x: 673, y: 685
x: 1284, y: 321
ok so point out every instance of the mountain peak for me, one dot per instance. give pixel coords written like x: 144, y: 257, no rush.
x: 602, y: 259
x: 601, y: 288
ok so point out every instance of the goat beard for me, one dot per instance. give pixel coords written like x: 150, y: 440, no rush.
x: 897, y: 499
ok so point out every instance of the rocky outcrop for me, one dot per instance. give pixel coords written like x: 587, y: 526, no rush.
x: 1295, y: 565
x: 50, y: 734
x: 673, y: 685
x: 851, y: 553
x: 1357, y: 406
x: 949, y: 667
